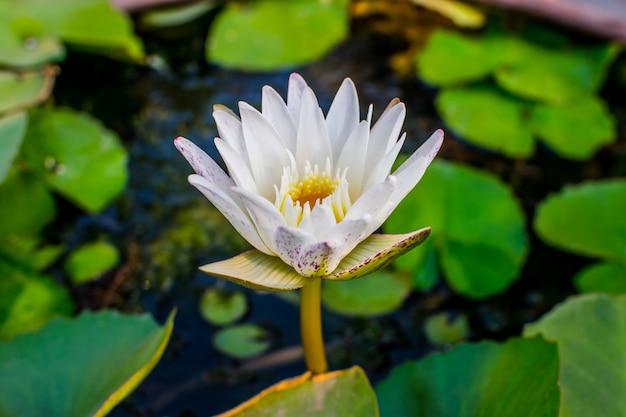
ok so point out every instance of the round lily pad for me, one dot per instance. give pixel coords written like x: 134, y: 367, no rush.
x: 241, y: 341
x: 90, y: 261
x: 445, y: 329
x: 221, y: 307
x: 602, y: 277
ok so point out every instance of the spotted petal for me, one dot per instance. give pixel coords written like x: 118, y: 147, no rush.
x: 254, y: 269
x: 376, y: 252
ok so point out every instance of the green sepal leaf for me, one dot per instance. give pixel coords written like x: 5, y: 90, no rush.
x: 590, y: 331
x: 515, y: 379
x: 66, y: 366
x: 338, y: 393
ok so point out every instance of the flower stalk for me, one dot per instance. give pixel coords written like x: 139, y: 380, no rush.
x: 311, y: 327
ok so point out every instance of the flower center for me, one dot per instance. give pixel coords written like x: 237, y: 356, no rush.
x: 299, y: 194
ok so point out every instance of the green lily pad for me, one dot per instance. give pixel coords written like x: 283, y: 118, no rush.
x: 19, y: 51
x: 76, y: 156
x: 177, y: 15
x: 576, y: 130
x: 338, y: 393
x: 90, y: 261
x: 485, y: 116
x: 556, y: 76
x: 219, y: 307
x: 477, y: 225
x: 12, y: 129
x: 19, y: 91
x: 26, y: 207
x: 241, y: 341
x: 586, y: 219
x: 514, y: 379
x: 602, y: 277
x: 590, y: 331
x: 27, y: 250
x: 451, y: 58
x: 288, y: 33
x: 444, y: 329
x: 79, y: 367
x: 378, y: 293
x: 28, y: 301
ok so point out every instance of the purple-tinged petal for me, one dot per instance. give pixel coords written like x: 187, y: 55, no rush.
x: 202, y: 164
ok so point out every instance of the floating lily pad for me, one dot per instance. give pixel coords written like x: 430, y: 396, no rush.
x: 27, y: 203
x: 514, y: 379
x: 12, y: 129
x: 460, y: 13
x: 269, y: 34
x: 79, y: 367
x: 25, y: 50
x: 177, y: 15
x: 487, y: 117
x: 339, y: 393
x: 576, y: 130
x: 378, y: 293
x: 586, y: 219
x: 602, y: 277
x: 477, y: 228
x: 28, y: 301
x: 76, y: 156
x: 220, y: 307
x: 25, y: 89
x: 241, y: 341
x: 590, y: 331
x: 444, y: 329
x: 90, y: 261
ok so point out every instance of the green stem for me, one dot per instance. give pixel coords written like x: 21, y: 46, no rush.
x: 311, y: 326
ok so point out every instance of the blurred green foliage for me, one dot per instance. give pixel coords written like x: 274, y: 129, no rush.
x: 220, y: 307
x: 241, y: 340
x: 90, y: 260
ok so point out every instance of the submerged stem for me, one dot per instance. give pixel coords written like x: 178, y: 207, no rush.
x: 311, y: 327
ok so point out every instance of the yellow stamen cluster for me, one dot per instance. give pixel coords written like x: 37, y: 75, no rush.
x: 312, y: 188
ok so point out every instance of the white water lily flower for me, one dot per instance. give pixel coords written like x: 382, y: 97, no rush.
x: 307, y: 191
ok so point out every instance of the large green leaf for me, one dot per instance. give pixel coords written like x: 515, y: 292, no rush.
x: 19, y: 91
x: 28, y: 301
x: 80, y: 367
x: 587, y: 219
x: 76, y: 156
x: 27, y: 205
x: 590, y: 331
x: 378, y: 293
x: 575, y: 130
x: 270, y: 34
x: 487, y: 117
x: 602, y: 277
x: 339, y: 393
x: 25, y: 50
x: 12, y: 129
x: 89, y: 24
x: 514, y: 379
x: 477, y: 228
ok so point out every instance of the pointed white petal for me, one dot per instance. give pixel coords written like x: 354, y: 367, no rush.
x: 375, y: 203
x: 348, y: 234
x: 203, y: 164
x: 237, y: 165
x: 353, y: 156
x: 265, y: 150
x: 320, y: 221
x: 385, y: 133
x: 256, y: 270
x: 264, y: 214
x: 231, y: 210
x: 412, y: 170
x: 381, y: 171
x: 294, y: 96
x: 313, y: 144
x: 275, y: 111
x: 343, y: 115
x: 376, y: 252
x: 229, y: 128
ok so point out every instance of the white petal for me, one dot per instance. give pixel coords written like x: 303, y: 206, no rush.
x: 376, y: 203
x: 320, y: 221
x: 229, y: 128
x: 385, y: 133
x: 237, y: 164
x: 289, y: 243
x: 265, y: 150
x: 203, y: 164
x: 294, y: 96
x: 381, y: 170
x: 231, y: 210
x: 343, y: 115
x: 313, y: 143
x: 352, y: 156
x: 264, y: 214
x: 275, y: 111
x: 412, y: 170
x: 348, y: 234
